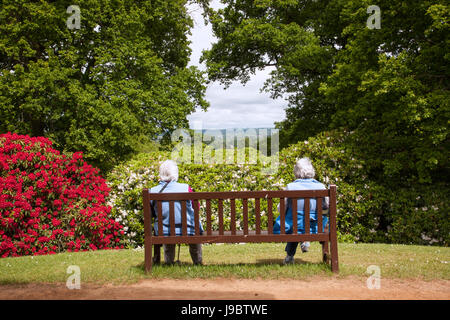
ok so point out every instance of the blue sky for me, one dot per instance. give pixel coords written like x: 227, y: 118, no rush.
x: 238, y: 106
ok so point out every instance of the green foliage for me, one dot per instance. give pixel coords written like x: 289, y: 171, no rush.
x: 388, y: 85
x: 97, y: 89
x: 367, y: 211
x: 51, y: 202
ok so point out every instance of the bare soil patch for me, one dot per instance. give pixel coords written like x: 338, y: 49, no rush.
x: 317, y: 288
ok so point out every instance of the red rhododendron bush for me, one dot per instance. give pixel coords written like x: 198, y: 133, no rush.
x: 50, y: 202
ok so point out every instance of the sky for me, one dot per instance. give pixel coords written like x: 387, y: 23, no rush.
x: 238, y: 106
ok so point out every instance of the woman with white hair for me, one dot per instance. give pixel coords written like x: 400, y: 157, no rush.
x: 304, y: 173
x: 168, y: 174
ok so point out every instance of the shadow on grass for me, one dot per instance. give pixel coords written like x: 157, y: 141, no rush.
x: 259, y: 264
x: 11, y: 282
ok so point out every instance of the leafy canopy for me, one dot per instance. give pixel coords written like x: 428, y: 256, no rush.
x: 389, y: 85
x: 105, y: 88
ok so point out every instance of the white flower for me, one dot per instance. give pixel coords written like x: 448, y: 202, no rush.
x: 425, y: 237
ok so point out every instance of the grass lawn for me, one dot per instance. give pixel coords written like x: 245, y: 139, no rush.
x: 232, y: 260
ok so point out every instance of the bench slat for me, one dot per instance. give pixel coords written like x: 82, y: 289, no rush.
x: 306, y: 216
x: 172, y: 218
x: 160, y: 219
x: 183, y: 218
x: 233, y: 216
x: 238, y: 195
x: 269, y: 216
x: 257, y: 216
x: 220, y: 204
x: 245, y: 214
x: 294, y: 216
x: 240, y: 237
x: 208, y: 217
x: 319, y: 215
x: 282, y: 216
x: 196, y: 218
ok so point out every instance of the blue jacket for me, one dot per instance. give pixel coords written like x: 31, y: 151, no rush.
x: 175, y: 187
x: 302, y: 184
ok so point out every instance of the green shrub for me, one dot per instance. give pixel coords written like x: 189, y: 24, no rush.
x: 51, y: 202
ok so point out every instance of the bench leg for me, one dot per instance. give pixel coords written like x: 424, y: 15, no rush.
x: 157, y: 253
x: 333, y: 231
x: 334, y: 254
x: 148, y: 257
x: 325, y: 252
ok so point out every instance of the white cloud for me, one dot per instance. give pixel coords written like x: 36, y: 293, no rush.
x: 238, y: 106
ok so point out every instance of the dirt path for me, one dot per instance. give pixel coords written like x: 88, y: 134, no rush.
x: 239, y: 289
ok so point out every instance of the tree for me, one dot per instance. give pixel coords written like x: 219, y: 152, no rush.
x: 253, y: 35
x: 104, y: 88
x: 390, y: 86
x: 384, y: 81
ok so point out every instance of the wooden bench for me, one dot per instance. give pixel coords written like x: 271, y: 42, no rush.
x: 258, y: 235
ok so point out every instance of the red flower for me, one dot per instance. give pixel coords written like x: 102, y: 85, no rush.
x: 50, y: 206
x: 56, y: 222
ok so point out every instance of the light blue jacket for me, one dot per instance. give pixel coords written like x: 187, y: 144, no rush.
x: 302, y: 184
x: 175, y: 187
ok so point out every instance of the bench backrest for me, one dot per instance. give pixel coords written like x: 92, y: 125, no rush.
x: 218, y: 198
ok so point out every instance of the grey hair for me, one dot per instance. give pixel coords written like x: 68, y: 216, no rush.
x: 168, y: 171
x: 304, y: 169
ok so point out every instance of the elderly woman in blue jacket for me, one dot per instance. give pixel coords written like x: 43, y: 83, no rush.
x: 304, y: 173
x: 168, y: 174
